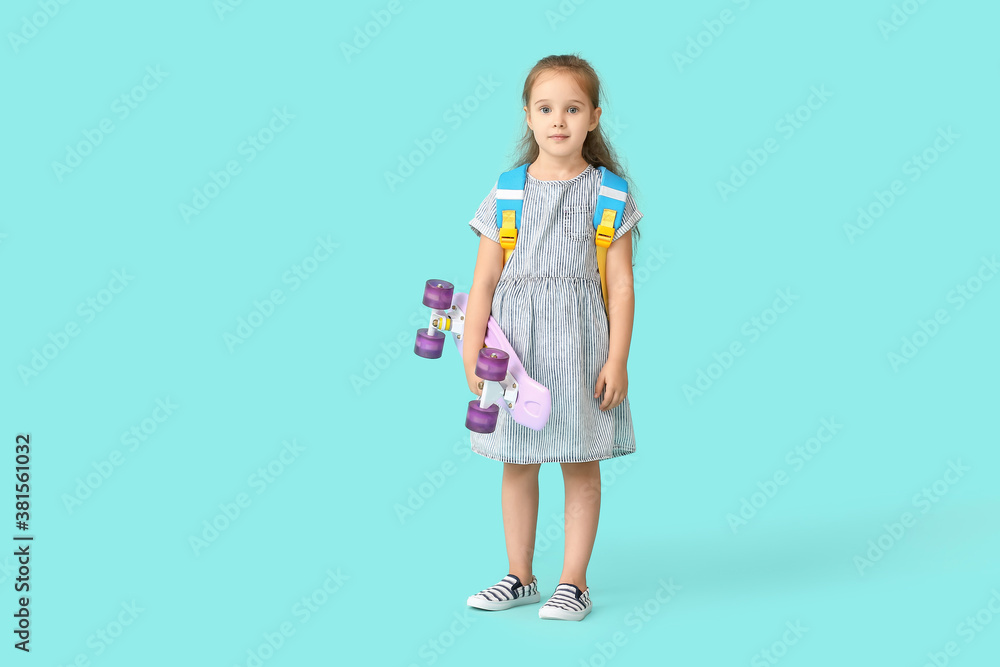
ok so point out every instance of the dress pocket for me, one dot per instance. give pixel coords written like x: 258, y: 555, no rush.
x: 578, y: 223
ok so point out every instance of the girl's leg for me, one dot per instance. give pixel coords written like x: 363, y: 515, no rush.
x: 583, y: 506
x: 519, y: 497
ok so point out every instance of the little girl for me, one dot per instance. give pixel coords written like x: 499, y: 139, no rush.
x: 548, y: 301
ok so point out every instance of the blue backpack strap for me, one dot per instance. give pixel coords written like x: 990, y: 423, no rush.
x: 610, y: 208
x: 510, y: 198
x: 608, y: 214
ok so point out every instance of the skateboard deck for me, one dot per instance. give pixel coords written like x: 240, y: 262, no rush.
x: 534, y: 403
x: 505, y: 382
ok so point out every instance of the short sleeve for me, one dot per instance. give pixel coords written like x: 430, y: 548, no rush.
x: 485, y: 220
x: 630, y: 218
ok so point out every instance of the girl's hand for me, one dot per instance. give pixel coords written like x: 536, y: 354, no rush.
x: 613, y: 380
x: 475, y: 384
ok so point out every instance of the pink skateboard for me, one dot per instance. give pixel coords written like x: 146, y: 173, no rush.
x: 505, y: 382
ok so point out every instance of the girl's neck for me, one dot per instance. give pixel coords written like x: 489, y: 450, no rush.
x: 543, y: 169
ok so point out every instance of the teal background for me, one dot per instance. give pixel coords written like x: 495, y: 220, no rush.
x: 365, y: 447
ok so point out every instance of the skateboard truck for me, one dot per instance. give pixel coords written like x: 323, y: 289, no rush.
x: 447, y: 320
x: 495, y: 390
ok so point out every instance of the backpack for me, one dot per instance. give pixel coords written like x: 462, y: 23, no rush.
x: 608, y: 214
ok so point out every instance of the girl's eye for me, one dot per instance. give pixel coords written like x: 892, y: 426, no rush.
x: 577, y: 108
x: 543, y: 109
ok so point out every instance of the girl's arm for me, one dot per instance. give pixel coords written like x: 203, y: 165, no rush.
x: 621, y: 298
x: 489, y: 264
x: 612, y: 381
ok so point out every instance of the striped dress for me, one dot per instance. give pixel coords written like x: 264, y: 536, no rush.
x: 549, y: 304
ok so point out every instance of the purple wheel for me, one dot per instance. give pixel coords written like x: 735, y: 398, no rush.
x: 481, y: 420
x: 438, y: 294
x: 492, y: 364
x: 429, y: 345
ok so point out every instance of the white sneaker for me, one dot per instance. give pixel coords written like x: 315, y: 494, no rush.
x: 507, y: 593
x: 568, y: 603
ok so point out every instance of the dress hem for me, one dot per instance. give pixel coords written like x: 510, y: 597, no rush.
x: 601, y: 458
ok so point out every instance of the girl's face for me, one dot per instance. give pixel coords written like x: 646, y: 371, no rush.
x: 560, y: 115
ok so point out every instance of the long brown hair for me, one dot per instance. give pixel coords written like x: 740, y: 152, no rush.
x: 597, y: 150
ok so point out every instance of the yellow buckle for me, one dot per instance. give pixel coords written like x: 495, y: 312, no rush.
x: 508, y: 233
x: 606, y: 229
